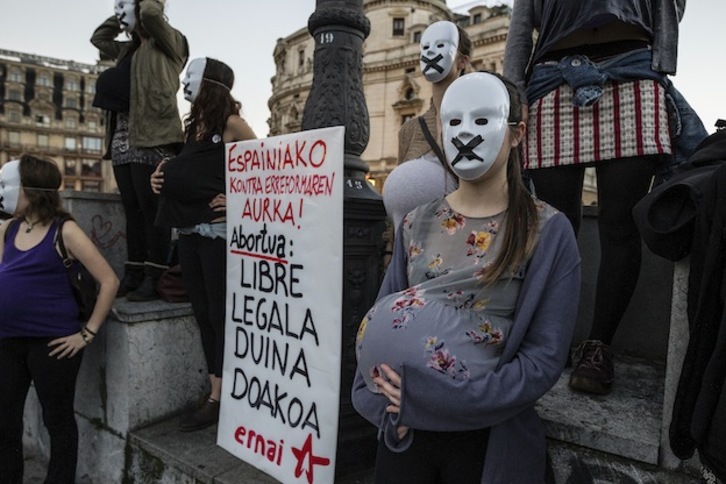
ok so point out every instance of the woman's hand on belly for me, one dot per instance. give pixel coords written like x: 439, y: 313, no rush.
x: 390, y: 386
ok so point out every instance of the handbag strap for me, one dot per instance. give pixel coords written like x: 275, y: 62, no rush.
x: 435, y: 146
x: 58, y: 242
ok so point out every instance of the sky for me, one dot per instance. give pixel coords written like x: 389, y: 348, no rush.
x: 243, y: 34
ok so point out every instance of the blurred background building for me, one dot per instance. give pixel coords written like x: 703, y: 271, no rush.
x: 45, y: 103
x: 45, y: 110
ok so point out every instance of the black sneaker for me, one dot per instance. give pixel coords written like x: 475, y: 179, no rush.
x: 594, y: 370
x: 205, y: 415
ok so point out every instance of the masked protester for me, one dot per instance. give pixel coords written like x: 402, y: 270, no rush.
x: 445, y: 50
x: 143, y: 127
x: 473, y: 321
x: 192, y: 188
x: 41, y: 337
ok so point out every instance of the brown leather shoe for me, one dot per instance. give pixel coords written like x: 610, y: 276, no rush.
x: 205, y: 415
x: 594, y: 371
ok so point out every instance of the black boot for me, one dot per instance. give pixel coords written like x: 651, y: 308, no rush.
x: 147, y: 290
x: 133, y: 276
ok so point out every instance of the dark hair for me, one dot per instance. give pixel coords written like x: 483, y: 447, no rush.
x: 40, y: 180
x: 465, y: 46
x: 214, y: 102
x: 520, y: 232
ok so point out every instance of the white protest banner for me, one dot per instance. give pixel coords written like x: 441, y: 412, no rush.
x: 281, y: 379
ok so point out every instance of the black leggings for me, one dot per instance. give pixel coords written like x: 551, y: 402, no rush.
x: 144, y: 241
x: 203, y: 264
x: 23, y: 360
x: 621, y: 184
x: 434, y: 458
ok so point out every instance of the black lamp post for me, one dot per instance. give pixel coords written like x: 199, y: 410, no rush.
x: 336, y: 98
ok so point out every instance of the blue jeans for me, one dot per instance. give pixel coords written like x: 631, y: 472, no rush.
x: 587, y: 79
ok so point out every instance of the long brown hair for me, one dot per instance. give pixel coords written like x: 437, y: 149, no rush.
x: 520, y: 231
x: 40, y: 180
x: 214, y: 102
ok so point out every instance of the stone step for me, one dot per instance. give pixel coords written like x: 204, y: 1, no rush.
x: 601, y: 439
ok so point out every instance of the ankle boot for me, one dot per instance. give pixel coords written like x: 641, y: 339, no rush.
x: 133, y: 276
x: 147, y: 290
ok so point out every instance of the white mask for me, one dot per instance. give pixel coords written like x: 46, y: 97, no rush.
x: 9, y: 186
x: 125, y: 11
x: 193, y: 78
x: 474, y: 114
x: 439, y: 45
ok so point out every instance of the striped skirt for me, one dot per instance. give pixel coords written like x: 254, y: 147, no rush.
x: 630, y: 119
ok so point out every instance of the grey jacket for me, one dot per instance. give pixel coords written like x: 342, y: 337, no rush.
x: 527, y: 17
x: 155, y: 69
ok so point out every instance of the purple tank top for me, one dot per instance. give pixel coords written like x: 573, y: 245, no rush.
x: 36, y: 299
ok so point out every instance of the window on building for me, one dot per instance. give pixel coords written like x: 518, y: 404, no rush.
x: 72, y: 84
x: 91, y: 168
x: 90, y: 87
x: 398, y: 26
x: 409, y: 70
x: 69, y: 184
x: 71, y: 103
x: 406, y: 117
x: 92, y: 124
x: 71, y: 123
x: 70, y: 143
x: 14, y: 138
x: 91, y: 144
x: 42, y: 119
x: 42, y: 140
x: 15, y: 95
x: 410, y: 93
x: 476, y: 19
x: 417, y: 37
x: 14, y: 116
x: 69, y: 168
x: 16, y: 76
x: 44, y: 80
x: 301, y: 58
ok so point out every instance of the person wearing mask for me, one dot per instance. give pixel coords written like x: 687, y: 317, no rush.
x: 192, y: 190
x: 41, y: 337
x: 143, y: 127
x: 422, y: 173
x: 473, y: 322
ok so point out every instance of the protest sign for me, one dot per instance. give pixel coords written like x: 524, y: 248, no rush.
x: 281, y: 379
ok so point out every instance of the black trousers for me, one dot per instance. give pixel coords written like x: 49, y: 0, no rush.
x: 621, y: 184
x: 23, y: 360
x: 434, y: 458
x: 203, y: 264
x: 145, y: 242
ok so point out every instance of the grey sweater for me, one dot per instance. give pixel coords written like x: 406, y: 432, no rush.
x: 527, y: 18
x: 504, y: 399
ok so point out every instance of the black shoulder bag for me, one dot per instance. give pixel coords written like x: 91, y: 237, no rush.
x: 83, y: 284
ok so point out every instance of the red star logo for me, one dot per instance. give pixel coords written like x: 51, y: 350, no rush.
x: 306, y: 459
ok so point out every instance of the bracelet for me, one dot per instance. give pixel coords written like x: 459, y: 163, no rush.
x: 89, y: 330
x: 84, y: 335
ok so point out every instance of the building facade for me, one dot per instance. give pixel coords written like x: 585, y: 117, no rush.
x: 394, y: 87
x: 45, y: 110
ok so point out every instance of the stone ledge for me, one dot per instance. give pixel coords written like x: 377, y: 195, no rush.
x: 135, y: 312
x: 627, y: 422
x: 616, y: 436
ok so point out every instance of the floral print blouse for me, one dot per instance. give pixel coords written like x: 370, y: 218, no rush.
x: 448, y: 321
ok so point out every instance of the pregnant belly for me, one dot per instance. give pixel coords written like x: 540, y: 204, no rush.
x: 405, y: 330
